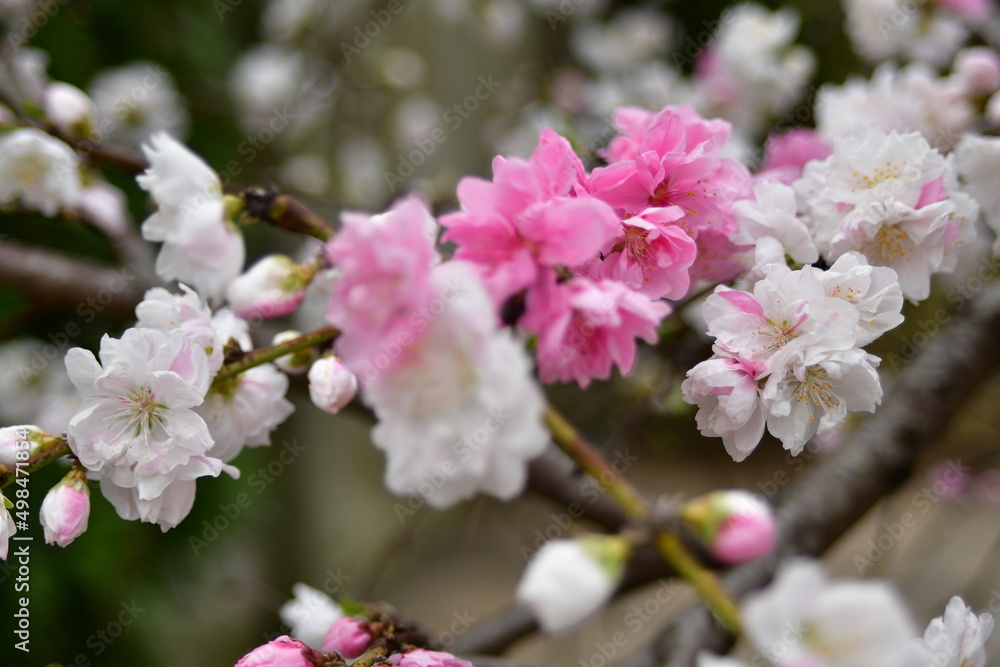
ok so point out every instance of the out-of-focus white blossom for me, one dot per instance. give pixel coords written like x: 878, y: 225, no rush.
x: 200, y: 247
x: 136, y: 101
x: 38, y: 171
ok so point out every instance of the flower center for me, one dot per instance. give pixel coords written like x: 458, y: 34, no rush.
x: 889, y: 245
x: 817, y: 390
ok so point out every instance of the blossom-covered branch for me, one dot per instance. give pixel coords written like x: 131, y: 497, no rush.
x: 829, y: 498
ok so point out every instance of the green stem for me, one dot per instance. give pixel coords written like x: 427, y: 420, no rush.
x: 588, y: 457
x: 706, y: 583
x: 266, y: 354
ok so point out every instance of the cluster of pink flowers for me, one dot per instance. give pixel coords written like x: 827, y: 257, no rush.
x: 321, y: 634
x: 590, y: 255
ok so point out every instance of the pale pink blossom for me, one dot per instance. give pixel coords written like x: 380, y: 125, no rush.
x: 585, y: 327
x: 977, y: 160
x: 726, y: 391
x: 534, y: 214
x: 786, y: 154
x: 187, y: 313
x: 786, y: 308
x: 673, y: 158
x: 200, y: 247
x: 811, y: 390
x: 348, y: 636
x: 773, y: 213
x: 384, y: 264
x: 136, y: 430
x: 243, y: 411
x: 978, y: 70
x: 458, y: 411
x: 873, y: 290
x: 65, y: 510
x: 331, y: 384
x: 281, y: 652
x: 273, y: 287
x: 424, y: 658
x: 892, y: 198
x: 752, y: 71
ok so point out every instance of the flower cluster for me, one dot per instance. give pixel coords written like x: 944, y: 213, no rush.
x: 788, y: 354
x: 582, y: 259
x: 322, y: 634
x: 804, y: 618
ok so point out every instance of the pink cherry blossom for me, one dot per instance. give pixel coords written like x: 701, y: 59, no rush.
x: 535, y: 213
x: 674, y: 159
x: 651, y: 255
x: 585, y: 326
x: 348, y: 636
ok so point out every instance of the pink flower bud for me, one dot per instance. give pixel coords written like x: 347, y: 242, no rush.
x: 65, y: 510
x: 978, y: 70
x: 737, y: 526
x: 281, y: 652
x: 273, y: 287
x: 348, y: 636
x: 424, y: 658
x: 331, y: 385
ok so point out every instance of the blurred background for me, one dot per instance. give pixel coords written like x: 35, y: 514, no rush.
x: 340, y: 103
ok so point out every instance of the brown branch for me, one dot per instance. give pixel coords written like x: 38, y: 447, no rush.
x: 286, y: 212
x: 58, y: 281
x: 832, y: 495
x: 103, y: 153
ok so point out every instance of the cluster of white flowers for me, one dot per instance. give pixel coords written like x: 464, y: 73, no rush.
x: 885, y: 29
x: 152, y: 421
x: 200, y: 247
x: 788, y: 355
x: 803, y: 618
x: 894, y: 199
